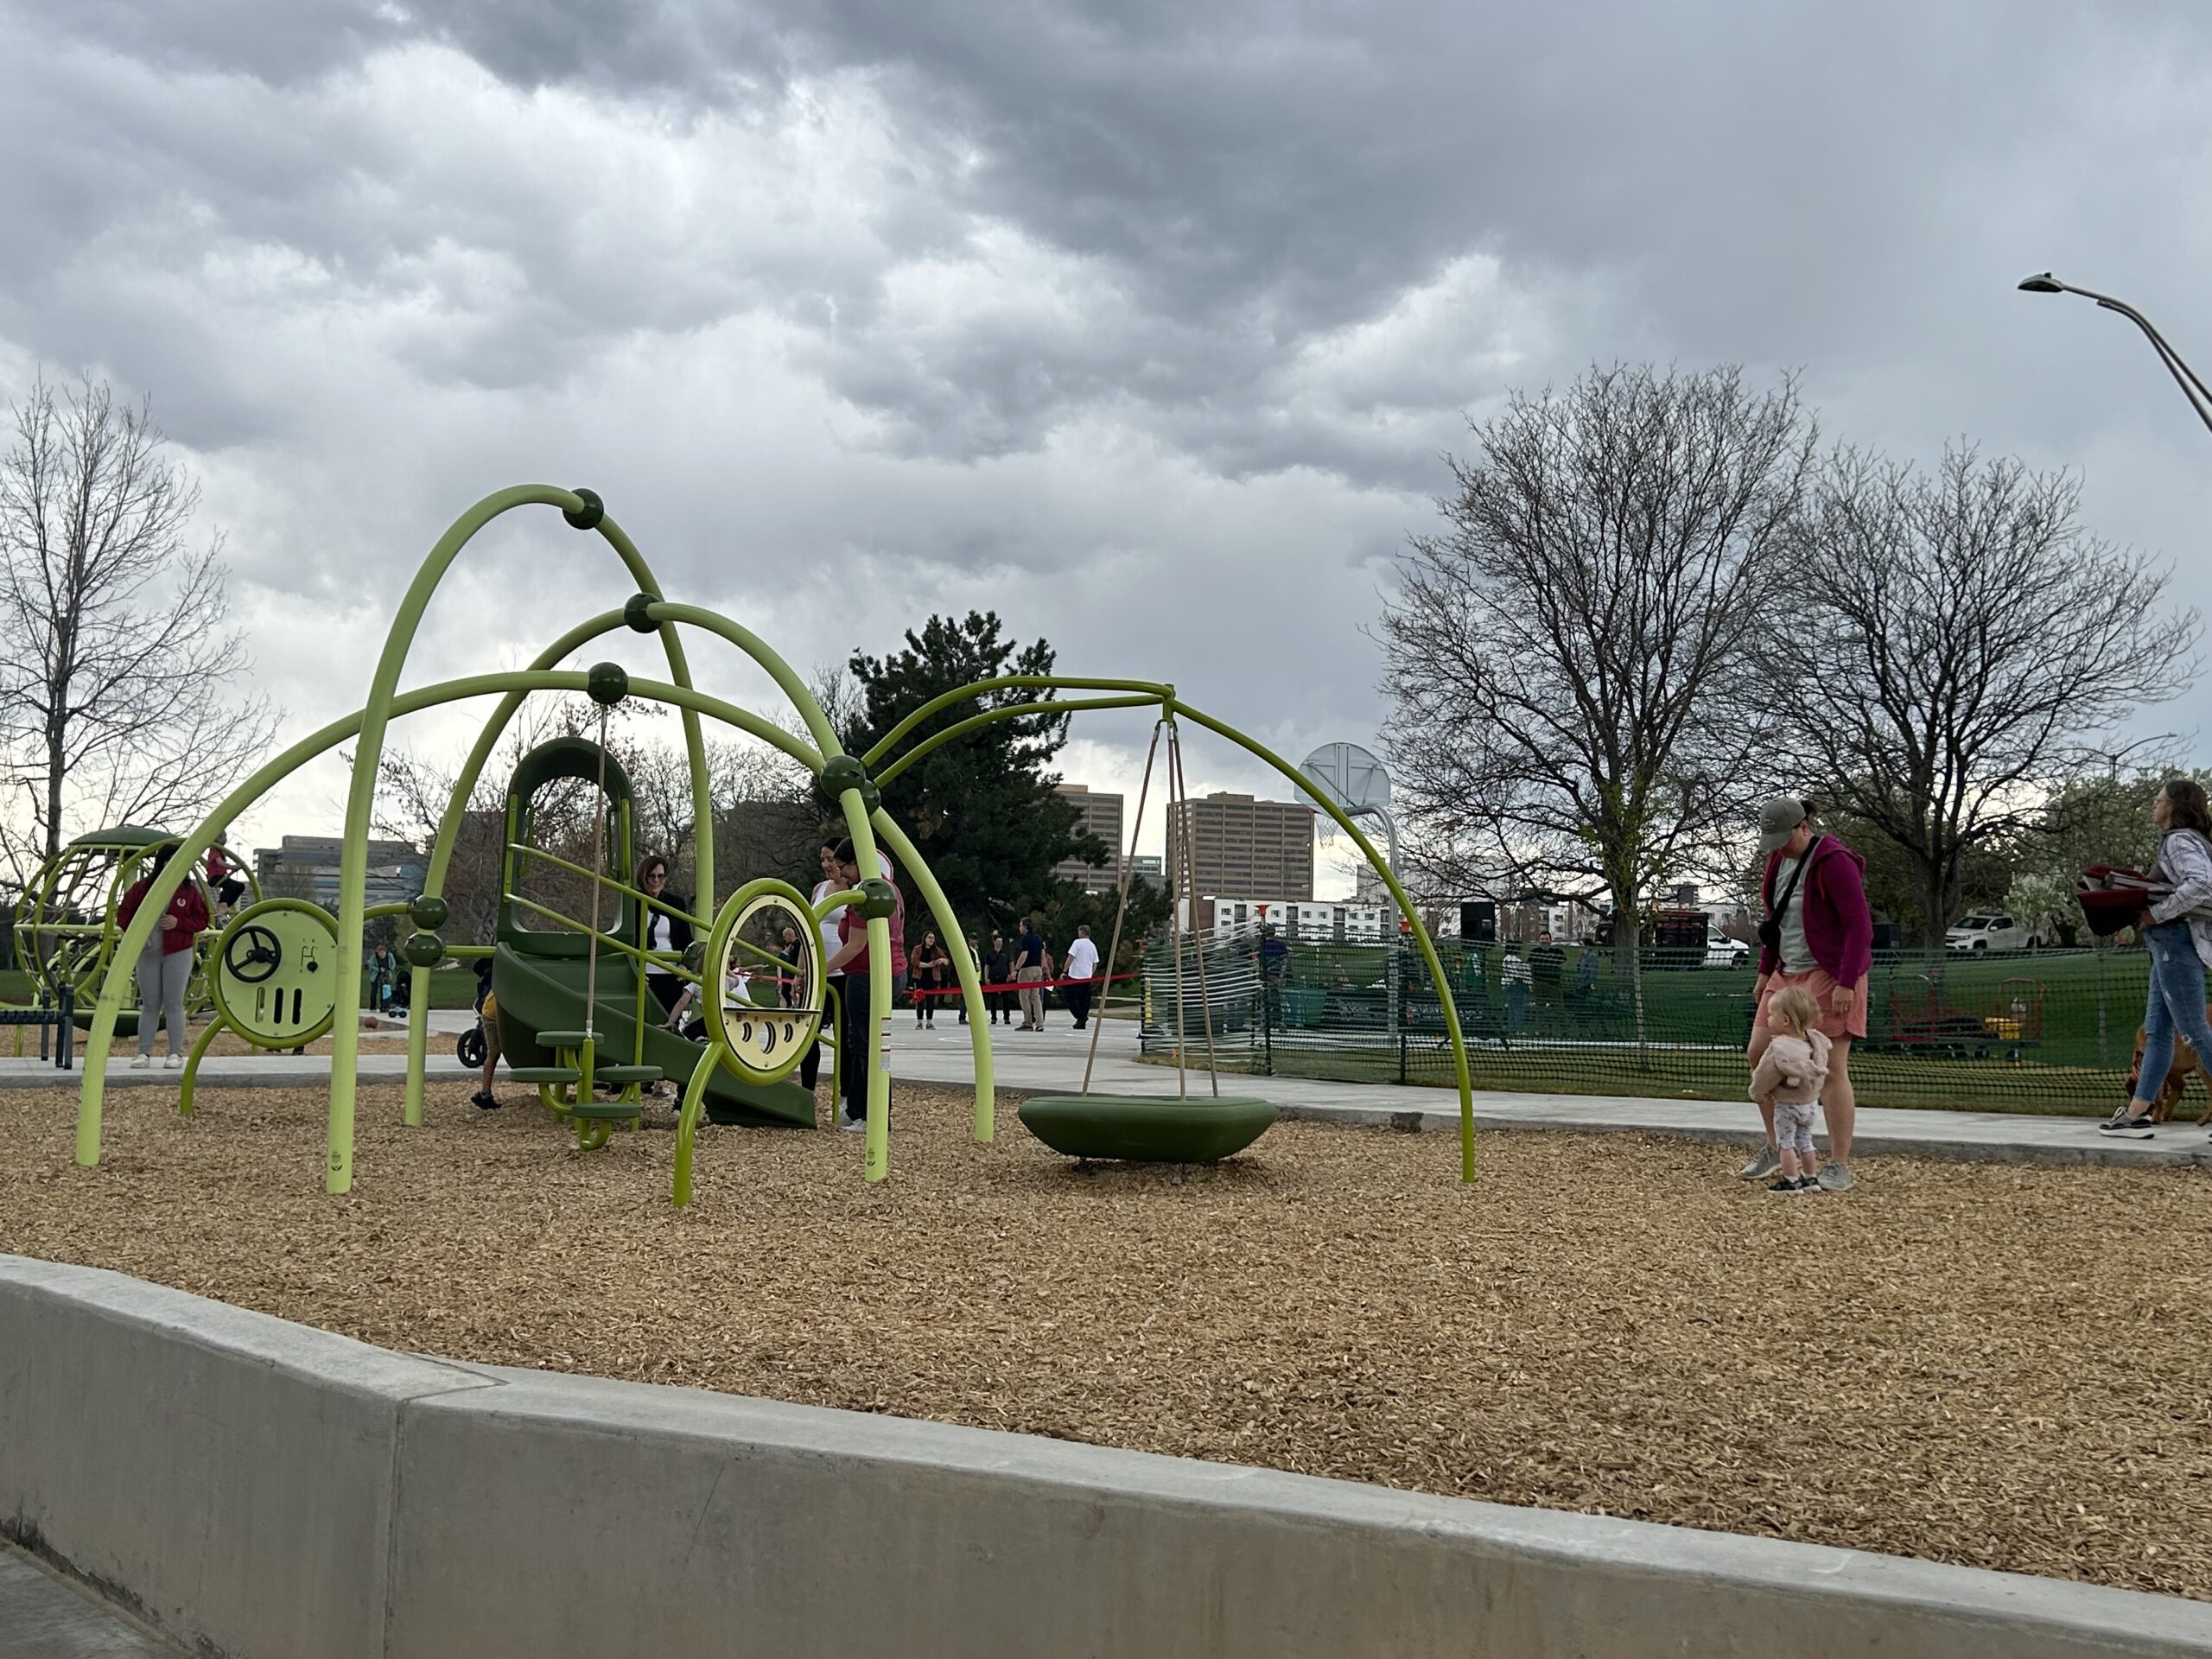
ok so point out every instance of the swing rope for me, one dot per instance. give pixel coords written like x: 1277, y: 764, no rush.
x: 598, y: 867
x: 1121, y: 907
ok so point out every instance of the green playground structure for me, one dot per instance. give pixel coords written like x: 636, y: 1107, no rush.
x: 66, y: 929
x: 577, y: 1018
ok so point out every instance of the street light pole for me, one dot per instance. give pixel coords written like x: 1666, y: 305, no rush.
x: 2199, y: 396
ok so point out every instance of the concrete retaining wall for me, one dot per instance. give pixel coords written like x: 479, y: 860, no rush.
x: 262, y: 1489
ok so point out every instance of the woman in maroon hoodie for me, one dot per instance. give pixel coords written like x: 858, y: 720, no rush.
x: 165, y: 965
x: 1819, y: 934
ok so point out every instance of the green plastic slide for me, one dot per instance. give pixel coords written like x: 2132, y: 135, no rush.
x: 1147, y: 1128
x: 538, y: 993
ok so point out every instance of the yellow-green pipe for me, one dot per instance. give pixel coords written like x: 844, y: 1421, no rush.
x: 1011, y: 711
x: 891, y: 739
x: 971, y: 993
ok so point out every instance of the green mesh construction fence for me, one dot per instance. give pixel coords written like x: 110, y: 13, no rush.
x: 2050, y: 1031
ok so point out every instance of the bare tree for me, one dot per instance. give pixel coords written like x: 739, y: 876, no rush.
x: 117, y: 661
x: 1570, y: 659
x: 1959, y: 644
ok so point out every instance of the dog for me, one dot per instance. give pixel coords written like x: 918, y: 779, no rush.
x: 2186, y: 1065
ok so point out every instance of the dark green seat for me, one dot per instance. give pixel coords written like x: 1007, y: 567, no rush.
x: 607, y: 1110
x: 618, y: 1074
x: 562, y: 1039
x: 1147, y: 1128
x: 545, y: 1074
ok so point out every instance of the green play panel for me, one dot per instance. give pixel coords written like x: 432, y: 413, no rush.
x: 1147, y: 1128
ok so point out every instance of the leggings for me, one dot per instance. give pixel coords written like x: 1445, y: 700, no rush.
x: 161, y: 976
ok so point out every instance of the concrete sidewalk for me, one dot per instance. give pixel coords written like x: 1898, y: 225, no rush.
x: 1052, y: 1060
x: 43, y: 1618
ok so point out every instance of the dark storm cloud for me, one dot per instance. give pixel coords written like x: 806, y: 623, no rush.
x: 1144, y: 322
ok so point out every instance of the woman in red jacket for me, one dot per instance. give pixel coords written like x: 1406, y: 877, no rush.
x: 1818, y: 934
x: 165, y: 965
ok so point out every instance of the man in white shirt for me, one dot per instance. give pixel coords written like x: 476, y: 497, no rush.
x: 1083, y: 963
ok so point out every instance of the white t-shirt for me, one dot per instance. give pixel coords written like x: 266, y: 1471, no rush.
x: 658, y: 937
x: 1796, y: 954
x: 1083, y: 959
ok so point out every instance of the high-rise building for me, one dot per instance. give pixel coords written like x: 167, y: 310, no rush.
x: 1101, y: 816
x: 1240, y: 845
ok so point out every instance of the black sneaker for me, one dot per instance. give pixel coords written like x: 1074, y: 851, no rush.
x: 1787, y: 1186
x: 485, y: 1101
x: 2124, y: 1127
x: 1810, y: 1184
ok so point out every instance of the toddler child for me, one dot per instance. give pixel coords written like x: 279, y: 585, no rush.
x: 1788, y: 1079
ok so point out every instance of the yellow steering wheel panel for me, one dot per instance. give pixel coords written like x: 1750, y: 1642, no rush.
x: 274, y: 973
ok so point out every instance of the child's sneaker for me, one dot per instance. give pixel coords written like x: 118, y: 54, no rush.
x: 1810, y: 1184
x: 1786, y: 1187
x: 485, y: 1101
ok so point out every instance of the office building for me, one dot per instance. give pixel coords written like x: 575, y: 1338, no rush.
x: 1241, y: 845
x: 1101, y: 816
x: 306, y: 866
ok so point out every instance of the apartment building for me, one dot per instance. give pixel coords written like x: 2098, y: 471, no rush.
x: 1101, y: 816
x: 1242, y: 845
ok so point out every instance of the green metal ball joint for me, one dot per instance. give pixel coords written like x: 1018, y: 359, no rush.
x: 608, y: 683
x: 879, y: 899
x: 427, y: 910
x: 843, y: 771
x: 587, y: 516
x: 424, y: 949
x: 633, y: 612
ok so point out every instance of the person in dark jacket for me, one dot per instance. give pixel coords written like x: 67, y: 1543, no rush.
x: 662, y: 928
x: 998, y: 969
x: 1819, y: 935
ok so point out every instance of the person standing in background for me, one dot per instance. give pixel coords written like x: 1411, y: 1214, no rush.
x: 1547, y: 965
x: 1083, y: 966
x: 976, y: 962
x: 998, y: 969
x: 165, y: 964
x: 1513, y: 975
x: 1029, y: 959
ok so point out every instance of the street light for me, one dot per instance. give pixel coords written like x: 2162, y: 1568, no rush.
x: 2199, y: 396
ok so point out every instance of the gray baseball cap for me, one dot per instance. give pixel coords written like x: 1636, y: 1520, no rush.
x: 1777, y: 818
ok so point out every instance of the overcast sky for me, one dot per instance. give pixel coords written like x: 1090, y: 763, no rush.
x: 1145, y: 324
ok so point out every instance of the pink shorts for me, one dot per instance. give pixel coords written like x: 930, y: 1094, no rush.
x: 1839, y: 1027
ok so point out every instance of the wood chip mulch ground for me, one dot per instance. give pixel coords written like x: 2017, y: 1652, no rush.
x: 1995, y: 1365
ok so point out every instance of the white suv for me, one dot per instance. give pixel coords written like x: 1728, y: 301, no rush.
x: 1993, y: 932
x: 1721, y: 951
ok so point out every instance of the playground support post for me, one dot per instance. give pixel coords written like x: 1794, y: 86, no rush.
x: 971, y: 992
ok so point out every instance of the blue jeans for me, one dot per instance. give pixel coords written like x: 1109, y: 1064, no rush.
x: 2176, y: 1003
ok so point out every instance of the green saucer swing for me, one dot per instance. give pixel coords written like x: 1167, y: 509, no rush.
x: 1182, y: 1128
